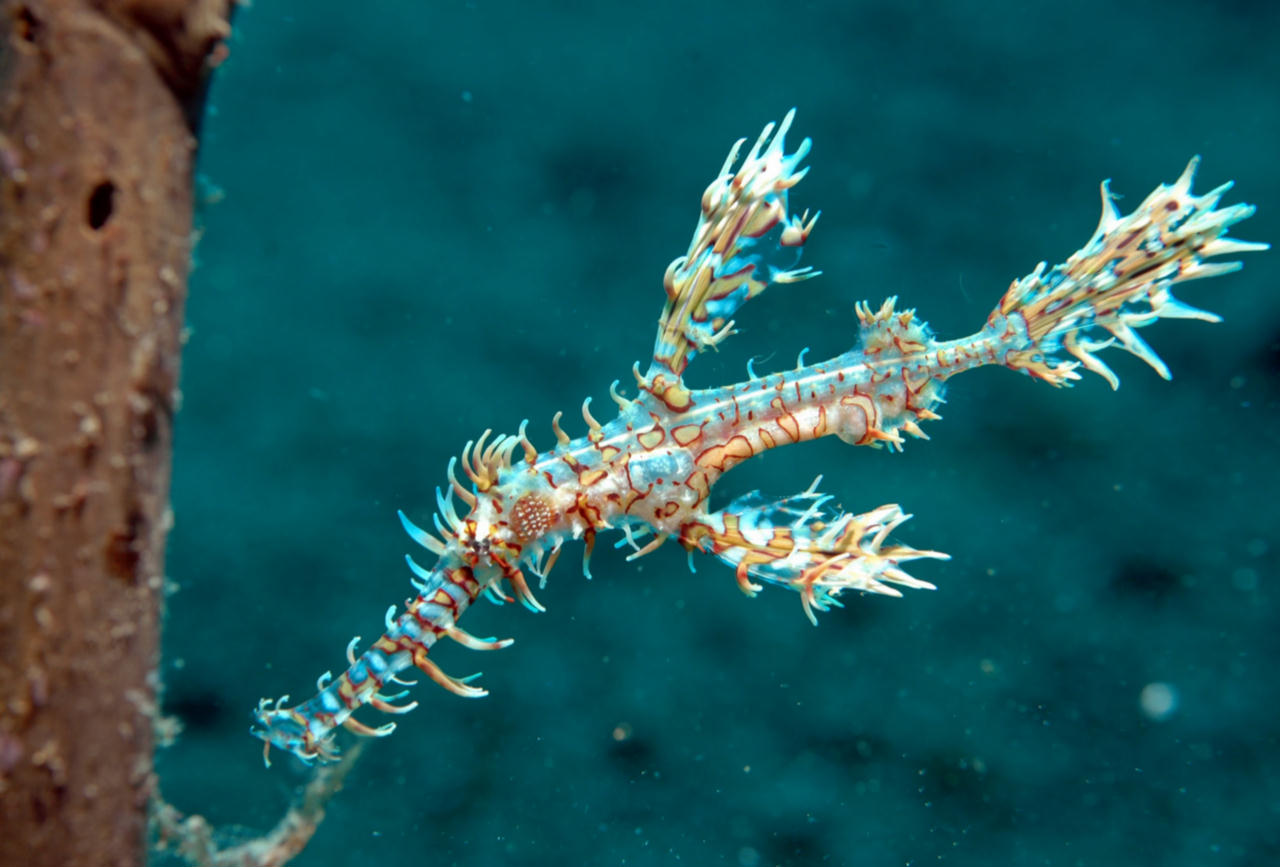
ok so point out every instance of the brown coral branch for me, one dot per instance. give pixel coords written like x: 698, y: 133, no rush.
x: 192, y: 838
x: 96, y: 151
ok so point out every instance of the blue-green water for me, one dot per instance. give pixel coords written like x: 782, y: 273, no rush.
x: 440, y: 217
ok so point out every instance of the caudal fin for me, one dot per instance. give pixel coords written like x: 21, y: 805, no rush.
x: 1120, y: 281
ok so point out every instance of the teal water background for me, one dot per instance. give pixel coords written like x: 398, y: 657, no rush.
x: 425, y: 219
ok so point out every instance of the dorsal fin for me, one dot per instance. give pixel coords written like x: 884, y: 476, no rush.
x: 889, y: 333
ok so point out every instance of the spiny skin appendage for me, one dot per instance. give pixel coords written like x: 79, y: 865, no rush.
x: 649, y: 471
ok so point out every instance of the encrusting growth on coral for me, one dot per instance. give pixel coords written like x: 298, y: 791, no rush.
x: 192, y: 838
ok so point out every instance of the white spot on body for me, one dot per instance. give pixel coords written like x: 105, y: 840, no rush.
x: 667, y: 465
